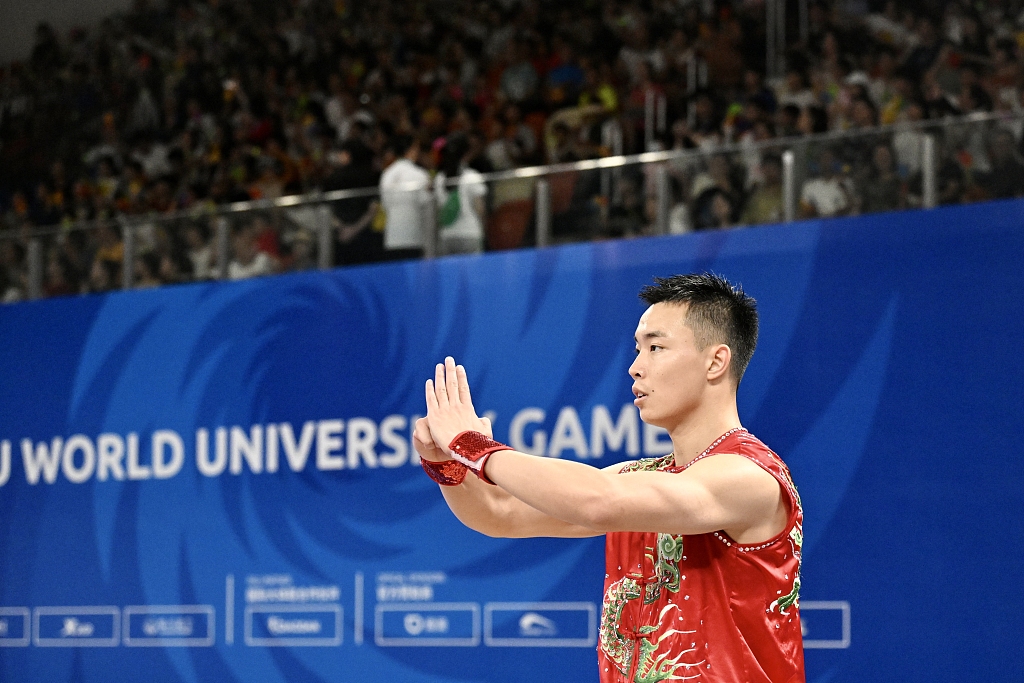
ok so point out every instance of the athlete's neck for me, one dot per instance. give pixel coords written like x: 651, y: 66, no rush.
x: 699, y: 430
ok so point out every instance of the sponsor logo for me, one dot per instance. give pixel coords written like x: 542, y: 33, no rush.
x: 532, y: 624
x: 540, y: 624
x: 293, y: 625
x: 73, y: 628
x: 416, y: 624
x: 279, y: 626
x: 427, y: 624
x: 168, y: 626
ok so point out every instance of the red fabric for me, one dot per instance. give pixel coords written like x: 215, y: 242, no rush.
x: 445, y: 472
x: 474, y: 448
x: 704, y: 608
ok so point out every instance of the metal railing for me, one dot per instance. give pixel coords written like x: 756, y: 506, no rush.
x: 652, y: 193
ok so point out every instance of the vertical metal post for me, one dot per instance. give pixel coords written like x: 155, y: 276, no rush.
x: 662, y: 117
x: 223, y: 247
x: 617, y: 143
x: 606, y: 176
x: 664, y: 198
x: 929, y: 173
x: 128, y: 262
x: 428, y: 211
x: 543, y: 212
x: 35, y: 269
x: 325, y: 240
x: 789, y: 186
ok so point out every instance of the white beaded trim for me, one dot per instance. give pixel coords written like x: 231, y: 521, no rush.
x: 707, y: 451
x: 744, y: 548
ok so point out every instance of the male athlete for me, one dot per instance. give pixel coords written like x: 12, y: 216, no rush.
x: 703, y: 545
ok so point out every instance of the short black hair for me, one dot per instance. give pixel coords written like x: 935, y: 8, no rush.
x: 399, y: 145
x: 718, y: 312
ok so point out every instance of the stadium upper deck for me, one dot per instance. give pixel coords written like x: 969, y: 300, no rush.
x: 194, y: 103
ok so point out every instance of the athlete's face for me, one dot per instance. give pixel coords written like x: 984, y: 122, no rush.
x: 670, y: 372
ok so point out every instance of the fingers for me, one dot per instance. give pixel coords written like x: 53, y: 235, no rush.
x: 451, y: 379
x: 432, y: 405
x: 421, y: 432
x: 439, y: 386
x: 464, y: 394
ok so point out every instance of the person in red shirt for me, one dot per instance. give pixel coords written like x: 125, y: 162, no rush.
x: 702, y: 545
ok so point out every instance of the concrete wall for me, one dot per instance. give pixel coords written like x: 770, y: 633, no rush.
x: 18, y: 19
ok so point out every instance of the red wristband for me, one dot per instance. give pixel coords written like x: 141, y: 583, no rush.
x: 445, y: 472
x: 472, y: 449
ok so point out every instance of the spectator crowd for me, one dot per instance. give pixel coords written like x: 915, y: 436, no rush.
x: 171, y: 109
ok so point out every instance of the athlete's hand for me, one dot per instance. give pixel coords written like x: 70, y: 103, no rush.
x: 450, y: 406
x: 424, y: 443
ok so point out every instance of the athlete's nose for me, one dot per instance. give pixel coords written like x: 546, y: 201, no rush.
x: 635, y: 368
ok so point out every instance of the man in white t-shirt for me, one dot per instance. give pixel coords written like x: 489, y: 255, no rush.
x: 249, y: 260
x: 828, y: 194
x: 403, y: 192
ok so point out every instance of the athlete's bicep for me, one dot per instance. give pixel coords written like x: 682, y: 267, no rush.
x: 723, y: 492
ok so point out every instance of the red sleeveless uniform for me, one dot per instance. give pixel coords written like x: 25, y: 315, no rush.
x: 704, y: 608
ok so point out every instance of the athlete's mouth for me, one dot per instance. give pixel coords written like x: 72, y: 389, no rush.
x: 638, y: 393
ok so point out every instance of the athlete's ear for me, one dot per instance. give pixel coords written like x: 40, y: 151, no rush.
x: 719, y: 360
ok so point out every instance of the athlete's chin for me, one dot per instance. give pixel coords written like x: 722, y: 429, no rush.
x: 651, y: 416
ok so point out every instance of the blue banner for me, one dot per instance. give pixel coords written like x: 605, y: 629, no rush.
x: 215, y: 482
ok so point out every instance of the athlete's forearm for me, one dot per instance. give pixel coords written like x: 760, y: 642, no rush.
x: 494, y: 512
x: 575, y: 493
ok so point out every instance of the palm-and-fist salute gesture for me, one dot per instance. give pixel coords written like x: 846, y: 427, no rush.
x: 450, y: 408
x: 452, y: 421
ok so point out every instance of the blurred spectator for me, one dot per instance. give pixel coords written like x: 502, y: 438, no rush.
x: 358, y: 238
x: 460, y: 192
x: 715, y: 209
x: 403, y: 186
x: 104, y: 276
x: 302, y: 251
x: 12, y: 274
x: 519, y: 79
x: 1006, y: 178
x: 147, y: 270
x: 200, y: 253
x: 720, y: 178
x: 174, y: 267
x: 765, y: 203
x: 248, y: 261
x: 827, y: 193
x: 882, y: 189
x: 59, y: 277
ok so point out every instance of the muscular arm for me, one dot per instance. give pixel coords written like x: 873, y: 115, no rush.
x: 725, y: 491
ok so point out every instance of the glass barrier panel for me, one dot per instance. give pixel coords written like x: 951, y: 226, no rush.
x: 909, y: 165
